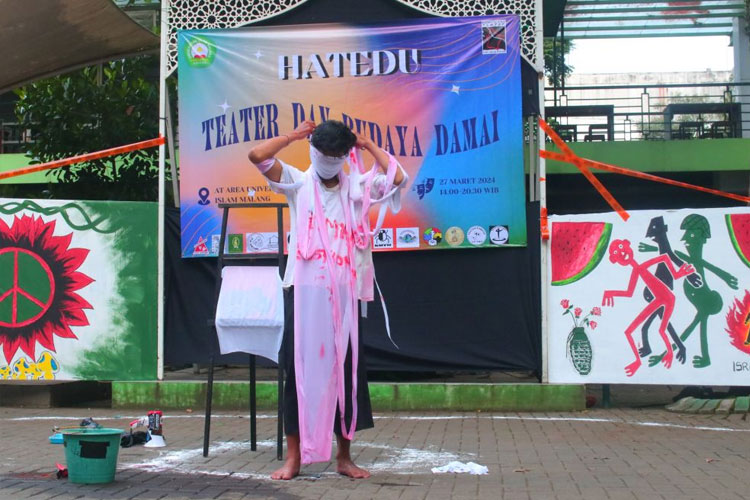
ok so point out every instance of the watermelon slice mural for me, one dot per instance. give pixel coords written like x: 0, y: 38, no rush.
x: 674, y: 295
x: 77, y: 293
x: 577, y: 248
x: 739, y: 232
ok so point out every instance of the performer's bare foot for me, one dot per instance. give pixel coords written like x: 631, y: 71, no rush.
x: 290, y: 470
x: 346, y: 467
x: 344, y: 464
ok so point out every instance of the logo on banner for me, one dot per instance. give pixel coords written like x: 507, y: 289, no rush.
x: 476, y: 235
x: 383, y: 238
x: 200, y: 248
x: 424, y: 187
x: 498, y: 235
x: 407, y: 237
x: 432, y: 236
x: 493, y: 37
x: 215, y: 244
x: 203, y: 196
x: 257, y: 242
x: 199, y: 52
x: 454, y: 236
x: 235, y: 243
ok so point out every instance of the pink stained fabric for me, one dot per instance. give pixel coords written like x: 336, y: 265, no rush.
x: 328, y: 255
x: 325, y: 302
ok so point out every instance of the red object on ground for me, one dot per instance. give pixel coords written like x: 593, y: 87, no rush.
x: 62, y: 471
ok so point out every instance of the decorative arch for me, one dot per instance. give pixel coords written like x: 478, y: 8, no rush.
x: 525, y: 9
x: 207, y: 14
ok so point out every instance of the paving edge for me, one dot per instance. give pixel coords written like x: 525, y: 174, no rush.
x: 231, y: 395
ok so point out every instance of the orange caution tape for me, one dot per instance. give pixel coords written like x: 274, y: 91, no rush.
x: 86, y: 157
x: 543, y: 224
x: 584, y: 164
x: 551, y: 155
x: 570, y: 157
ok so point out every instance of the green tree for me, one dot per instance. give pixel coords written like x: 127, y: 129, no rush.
x: 96, y: 108
x: 554, y: 67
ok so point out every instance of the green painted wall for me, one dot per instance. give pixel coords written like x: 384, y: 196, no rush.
x: 13, y: 161
x: 384, y: 396
x: 660, y: 156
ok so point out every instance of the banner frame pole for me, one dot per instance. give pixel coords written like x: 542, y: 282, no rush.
x: 164, y: 33
x: 542, y: 194
x: 170, y: 144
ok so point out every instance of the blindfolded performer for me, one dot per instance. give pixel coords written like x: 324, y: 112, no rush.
x: 329, y: 269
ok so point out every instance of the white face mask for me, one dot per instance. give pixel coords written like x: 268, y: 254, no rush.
x: 327, y: 167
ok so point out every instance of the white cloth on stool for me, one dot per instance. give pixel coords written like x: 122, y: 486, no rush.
x: 250, y: 312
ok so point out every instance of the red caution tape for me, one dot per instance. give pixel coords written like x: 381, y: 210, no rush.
x: 570, y: 157
x: 584, y: 164
x: 86, y: 157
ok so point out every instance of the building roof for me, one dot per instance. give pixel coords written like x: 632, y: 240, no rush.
x: 649, y: 18
x: 43, y: 38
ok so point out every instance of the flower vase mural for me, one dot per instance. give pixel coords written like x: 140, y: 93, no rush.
x: 578, y: 345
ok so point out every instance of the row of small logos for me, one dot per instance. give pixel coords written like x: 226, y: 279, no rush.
x: 239, y: 243
x: 414, y: 237
x: 404, y: 237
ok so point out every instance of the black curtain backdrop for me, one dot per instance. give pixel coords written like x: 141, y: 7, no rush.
x: 472, y: 309
x: 449, y: 309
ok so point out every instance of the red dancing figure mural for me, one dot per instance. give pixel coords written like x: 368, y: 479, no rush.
x: 621, y: 253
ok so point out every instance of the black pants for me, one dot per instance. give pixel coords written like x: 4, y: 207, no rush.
x: 291, y: 415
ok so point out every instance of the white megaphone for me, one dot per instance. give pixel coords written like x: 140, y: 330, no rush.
x: 156, y: 441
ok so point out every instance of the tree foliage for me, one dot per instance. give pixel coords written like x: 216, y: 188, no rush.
x: 554, y: 67
x: 98, y: 107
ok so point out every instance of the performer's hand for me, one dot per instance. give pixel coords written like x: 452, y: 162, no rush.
x: 363, y: 142
x: 303, y: 130
x: 608, y: 299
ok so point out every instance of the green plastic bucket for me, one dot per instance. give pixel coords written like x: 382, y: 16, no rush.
x: 91, y: 454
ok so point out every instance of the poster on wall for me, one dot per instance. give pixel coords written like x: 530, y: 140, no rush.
x: 663, y: 298
x: 77, y: 290
x: 441, y: 95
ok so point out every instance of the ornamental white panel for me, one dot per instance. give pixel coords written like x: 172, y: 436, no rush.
x: 207, y: 14
x: 525, y: 9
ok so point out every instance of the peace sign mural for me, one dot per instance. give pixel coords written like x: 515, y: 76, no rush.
x: 39, y: 281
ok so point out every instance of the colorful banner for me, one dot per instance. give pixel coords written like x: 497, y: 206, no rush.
x: 77, y: 290
x: 442, y: 95
x: 663, y: 298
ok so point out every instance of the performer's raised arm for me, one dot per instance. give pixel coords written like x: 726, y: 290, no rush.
x: 381, y: 157
x: 263, y: 155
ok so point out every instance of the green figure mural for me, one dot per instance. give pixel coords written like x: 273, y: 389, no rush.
x: 707, y: 302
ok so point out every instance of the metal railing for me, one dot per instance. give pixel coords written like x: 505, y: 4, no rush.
x: 650, y: 112
x: 14, y: 137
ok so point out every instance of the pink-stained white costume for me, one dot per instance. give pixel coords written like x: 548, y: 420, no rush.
x: 330, y: 266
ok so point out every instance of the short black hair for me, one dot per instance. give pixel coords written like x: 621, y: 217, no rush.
x: 333, y: 138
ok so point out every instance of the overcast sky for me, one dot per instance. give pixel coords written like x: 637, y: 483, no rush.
x: 631, y: 55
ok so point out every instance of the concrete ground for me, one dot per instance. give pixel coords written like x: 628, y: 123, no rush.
x: 599, y: 454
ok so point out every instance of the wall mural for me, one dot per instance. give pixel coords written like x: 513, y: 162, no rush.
x: 77, y: 290
x: 662, y: 298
